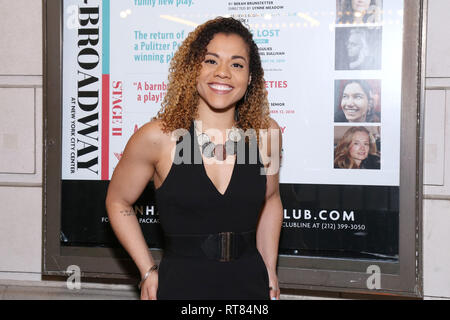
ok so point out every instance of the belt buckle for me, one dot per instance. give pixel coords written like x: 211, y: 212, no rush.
x: 226, y: 239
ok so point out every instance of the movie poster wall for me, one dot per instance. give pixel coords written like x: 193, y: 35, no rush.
x: 333, y: 75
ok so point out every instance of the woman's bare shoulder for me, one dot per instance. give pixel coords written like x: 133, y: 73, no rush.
x: 150, y: 139
x: 152, y: 131
x: 273, y: 129
x: 273, y: 124
x: 271, y: 138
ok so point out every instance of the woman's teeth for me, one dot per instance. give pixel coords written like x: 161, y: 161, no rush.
x: 220, y: 87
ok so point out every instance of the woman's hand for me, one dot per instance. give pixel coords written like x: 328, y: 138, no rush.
x: 149, y: 287
x: 274, y: 288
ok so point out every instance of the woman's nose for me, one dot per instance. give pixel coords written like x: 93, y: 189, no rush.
x: 222, y: 71
x: 349, y: 101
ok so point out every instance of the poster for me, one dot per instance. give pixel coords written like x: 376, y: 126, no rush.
x: 333, y: 74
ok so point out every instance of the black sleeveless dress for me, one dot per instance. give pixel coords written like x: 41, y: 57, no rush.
x: 190, y: 204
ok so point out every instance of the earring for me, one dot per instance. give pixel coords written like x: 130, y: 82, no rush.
x: 371, y: 110
x: 236, y: 114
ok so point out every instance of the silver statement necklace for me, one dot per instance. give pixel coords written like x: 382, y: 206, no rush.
x: 219, y: 151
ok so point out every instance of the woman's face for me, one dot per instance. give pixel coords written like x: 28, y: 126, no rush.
x: 224, y: 75
x: 355, y: 103
x: 360, y: 5
x: 359, y: 147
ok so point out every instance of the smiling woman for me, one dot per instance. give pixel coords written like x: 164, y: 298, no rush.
x: 221, y: 217
x: 357, y: 101
x: 356, y: 149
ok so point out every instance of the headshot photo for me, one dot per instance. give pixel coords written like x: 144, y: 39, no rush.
x: 359, y: 11
x: 357, y: 101
x: 358, y: 48
x: 357, y: 148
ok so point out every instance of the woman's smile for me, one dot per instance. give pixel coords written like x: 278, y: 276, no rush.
x: 351, y: 111
x: 220, y: 88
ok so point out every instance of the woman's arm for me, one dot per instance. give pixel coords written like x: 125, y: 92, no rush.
x: 271, y: 218
x: 132, y: 174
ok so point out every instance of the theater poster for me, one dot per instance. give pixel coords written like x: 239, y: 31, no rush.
x: 333, y: 74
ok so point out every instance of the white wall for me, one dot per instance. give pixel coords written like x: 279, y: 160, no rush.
x: 20, y: 139
x: 436, y: 207
x: 21, y: 145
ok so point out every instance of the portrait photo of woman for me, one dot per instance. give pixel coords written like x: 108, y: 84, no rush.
x: 358, y: 48
x: 357, y: 101
x: 356, y: 148
x: 359, y: 11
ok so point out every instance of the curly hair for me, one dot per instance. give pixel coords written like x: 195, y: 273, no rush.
x: 342, y: 157
x: 179, y: 106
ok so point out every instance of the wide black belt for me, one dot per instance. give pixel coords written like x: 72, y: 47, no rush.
x: 224, y: 246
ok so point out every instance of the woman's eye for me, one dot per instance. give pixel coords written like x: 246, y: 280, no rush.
x: 210, y: 61
x: 237, y: 65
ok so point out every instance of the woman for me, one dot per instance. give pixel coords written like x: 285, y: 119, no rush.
x: 359, y: 11
x: 356, y: 103
x: 221, y: 218
x: 356, y: 150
